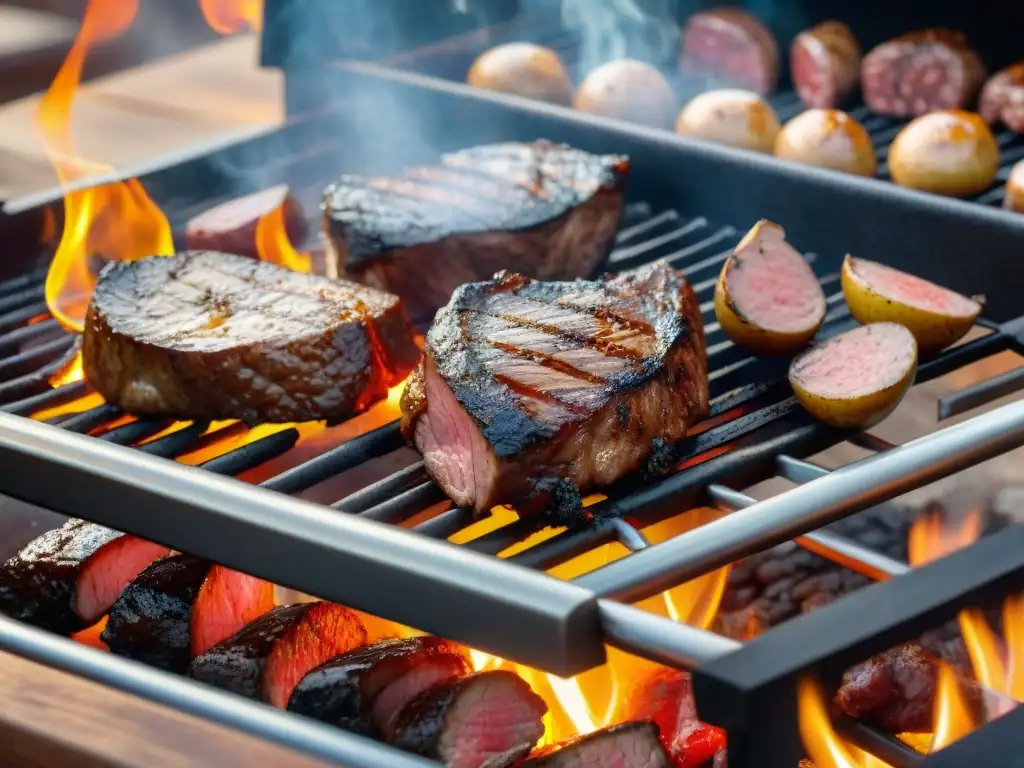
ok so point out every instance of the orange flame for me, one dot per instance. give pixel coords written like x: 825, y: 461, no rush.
x: 824, y: 747
x: 226, y: 17
x: 953, y: 718
x: 591, y: 700
x: 932, y: 537
x: 114, y: 221
x: 273, y: 245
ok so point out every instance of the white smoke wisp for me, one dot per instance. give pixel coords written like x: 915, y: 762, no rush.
x: 620, y: 29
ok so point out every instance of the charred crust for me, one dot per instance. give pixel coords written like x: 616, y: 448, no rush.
x: 662, y: 460
x: 623, y: 410
x: 559, y: 497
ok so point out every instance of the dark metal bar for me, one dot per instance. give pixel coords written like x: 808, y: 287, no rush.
x: 735, y: 690
x: 31, y: 359
x: 810, y: 506
x: 881, y: 745
x: 176, y: 443
x: 15, y: 339
x: 870, y: 442
x: 135, y: 431
x: 49, y: 399
x: 799, y: 471
x: 566, y: 545
x: 446, y: 523
x: 38, y: 380
x: 505, y: 610
x: 253, y: 454
x: 89, y: 420
x: 297, y: 733
x: 18, y: 317
x: 28, y: 296
x: 16, y: 284
x: 420, y: 497
x: 982, y: 393
x: 379, y: 442
x: 384, y: 490
x: 999, y: 743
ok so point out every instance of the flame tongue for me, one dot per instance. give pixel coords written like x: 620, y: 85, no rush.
x: 229, y: 16
x: 115, y: 221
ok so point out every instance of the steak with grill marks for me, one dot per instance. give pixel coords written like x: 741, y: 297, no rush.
x: 531, y: 392
x: 549, y: 209
x: 208, y: 335
x: 629, y: 745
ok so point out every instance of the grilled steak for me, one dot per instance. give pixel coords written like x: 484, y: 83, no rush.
x: 486, y: 719
x: 66, y: 579
x: 665, y: 697
x: 231, y: 227
x: 548, y: 209
x: 630, y: 745
x: 181, y: 606
x: 210, y: 335
x: 364, y: 689
x: 149, y: 622
x: 531, y: 392
x: 271, y: 654
x: 896, y: 689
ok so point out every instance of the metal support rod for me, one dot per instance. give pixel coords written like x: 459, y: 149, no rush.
x: 980, y: 394
x: 810, y: 506
x: 264, y: 722
x: 882, y: 745
x: 831, y: 546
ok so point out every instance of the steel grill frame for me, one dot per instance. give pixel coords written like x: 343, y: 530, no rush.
x: 263, y: 531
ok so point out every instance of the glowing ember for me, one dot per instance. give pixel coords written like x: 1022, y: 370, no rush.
x: 114, y: 221
x: 229, y: 16
x: 273, y: 245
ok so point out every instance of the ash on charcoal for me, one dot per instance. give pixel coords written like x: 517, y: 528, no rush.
x: 770, y: 587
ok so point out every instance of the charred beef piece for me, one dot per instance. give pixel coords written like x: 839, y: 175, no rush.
x: 149, y: 622
x: 630, y: 745
x: 364, y: 689
x: 895, y: 690
x: 485, y: 719
x: 208, y: 335
x: 66, y: 579
x: 550, y: 210
x: 665, y: 697
x: 531, y: 393
x: 181, y: 606
x: 231, y: 226
x: 271, y: 654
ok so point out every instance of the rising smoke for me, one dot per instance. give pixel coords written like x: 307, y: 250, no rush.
x: 621, y: 29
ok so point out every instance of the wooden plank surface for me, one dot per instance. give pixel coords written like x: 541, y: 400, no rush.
x: 139, y: 115
x: 49, y: 718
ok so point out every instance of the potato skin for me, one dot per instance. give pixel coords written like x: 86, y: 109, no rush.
x: 860, y: 411
x: 729, y: 116
x: 933, y: 331
x: 523, y: 69
x: 828, y: 138
x: 950, y: 152
x: 627, y: 89
x: 1013, y: 199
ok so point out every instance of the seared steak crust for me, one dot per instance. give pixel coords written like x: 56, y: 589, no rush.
x: 547, y: 208
x: 529, y: 386
x: 215, y: 336
x: 628, y: 745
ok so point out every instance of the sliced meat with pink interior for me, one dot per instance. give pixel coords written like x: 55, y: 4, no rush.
x: 488, y: 719
x: 824, y: 62
x: 269, y: 655
x: 231, y: 226
x: 364, y: 689
x: 895, y: 689
x: 531, y: 393
x: 66, y: 579
x: 630, y: 745
x: 731, y: 46
x: 227, y: 601
x: 921, y: 72
x: 1002, y: 98
x: 150, y: 622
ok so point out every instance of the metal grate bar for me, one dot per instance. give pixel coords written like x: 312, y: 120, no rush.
x: 50, y: 399
x: 375, y: 494
x: 89, y: 420
x: 419, y: 497
x: 135, y: 431
x: 882, y: 745
x: 176, y: 443
x: 30, y: 360
x: 982, y: 393
x: 999, y: 743
x: 810, y: 506
x: 253, y: 454
x: 17, y: 338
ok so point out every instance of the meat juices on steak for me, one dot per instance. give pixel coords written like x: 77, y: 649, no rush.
x: 485, y: 719
x: 231, y: 226
x: 208, y: 335
x: 630, y: 745
x: 896, y: 689
x: 921, y: 72
x: 179, y: 607
x: 66, y: 579
x: 1002, y: 98
x: 531, y: 392
x: 150, y: 621
x: 547, y: 208
x: 824, y: 62
x: 271, y: 654
x: 732, y: 46
x: 364, y: 689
